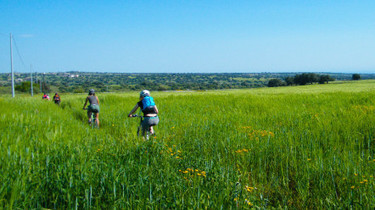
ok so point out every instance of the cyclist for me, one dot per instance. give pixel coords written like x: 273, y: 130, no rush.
x: 57, y: 99
x: 150, y: 113
x: 45, y: 96
x: 93, y: 107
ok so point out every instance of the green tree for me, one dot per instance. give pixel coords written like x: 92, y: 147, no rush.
x: 289, y: 80
x: 275, y: 83
x: 26, y: 87
x: 325, y: 78
x: 356, y: 77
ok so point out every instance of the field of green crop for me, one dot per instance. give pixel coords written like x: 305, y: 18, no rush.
x: 296, y: 147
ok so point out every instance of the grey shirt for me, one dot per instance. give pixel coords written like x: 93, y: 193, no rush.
x: 92, y: 100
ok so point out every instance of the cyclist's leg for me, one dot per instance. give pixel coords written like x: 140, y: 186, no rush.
x: 97, y: 118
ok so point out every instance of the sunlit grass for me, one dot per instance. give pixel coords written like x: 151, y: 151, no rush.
x: 301, y: 147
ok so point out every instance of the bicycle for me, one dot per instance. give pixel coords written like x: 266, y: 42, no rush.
x: 147, y: 133
x: 93, y: 119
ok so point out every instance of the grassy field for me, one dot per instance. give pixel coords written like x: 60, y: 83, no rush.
x: 297, y: 147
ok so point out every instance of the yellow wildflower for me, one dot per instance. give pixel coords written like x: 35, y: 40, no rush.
x: 248, y: 202
x: 352, y: 187
x: 249, y: 189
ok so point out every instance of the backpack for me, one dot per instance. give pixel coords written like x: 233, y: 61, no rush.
x: 148, y: 105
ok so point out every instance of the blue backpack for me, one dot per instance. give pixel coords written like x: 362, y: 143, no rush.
x: 148, y: 105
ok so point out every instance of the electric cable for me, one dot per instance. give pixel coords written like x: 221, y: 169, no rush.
x: 18, y: 52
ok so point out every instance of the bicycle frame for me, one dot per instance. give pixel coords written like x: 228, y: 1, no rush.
x: 147, y: 132
x: 94, y: 122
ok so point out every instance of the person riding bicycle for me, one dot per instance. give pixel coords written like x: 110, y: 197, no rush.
x: 150, y: 111
x: 45, y: 96
x: 57, y: 99
x: 93, y: 107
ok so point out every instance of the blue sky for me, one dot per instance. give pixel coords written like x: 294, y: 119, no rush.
x: 189, y: 36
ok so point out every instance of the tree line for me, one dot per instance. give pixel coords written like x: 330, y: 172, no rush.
x: 301, y: 79
x: 79, y: 82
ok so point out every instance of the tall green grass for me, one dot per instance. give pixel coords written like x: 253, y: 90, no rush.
x: 299, y: 147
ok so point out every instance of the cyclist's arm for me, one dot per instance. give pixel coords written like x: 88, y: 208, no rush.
x: 87, y: 99
x: 156, y: 110
x: 133, y: 110
x: 97, y: 99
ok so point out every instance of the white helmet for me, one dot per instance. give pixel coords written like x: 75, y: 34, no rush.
x: 144, y: 93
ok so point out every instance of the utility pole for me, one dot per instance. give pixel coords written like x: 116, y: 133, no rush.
x: 11, y: 64
x: 31, y: 80
x: 44, y: 82
x: 40, y: 84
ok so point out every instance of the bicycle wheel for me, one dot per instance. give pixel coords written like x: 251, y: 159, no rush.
x: 139, y: 130
x: 92, y: 122
x: 147, y: 134
x: 95, y: 123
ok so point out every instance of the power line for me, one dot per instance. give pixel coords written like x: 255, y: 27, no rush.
x: 18, y: 53
x: 11, y: 65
